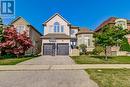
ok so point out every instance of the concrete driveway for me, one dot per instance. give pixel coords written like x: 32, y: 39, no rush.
x: 49, y: 60
x: 47, y: 78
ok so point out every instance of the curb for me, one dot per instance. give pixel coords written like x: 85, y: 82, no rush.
x: 62, y: 67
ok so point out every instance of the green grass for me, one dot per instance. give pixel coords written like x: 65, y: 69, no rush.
x: 84, y: 59
x: 13, y: 61
x: 110, y: 77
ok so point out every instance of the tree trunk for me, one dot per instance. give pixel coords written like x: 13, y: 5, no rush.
x: 106, y: 53
x: 17, y: 55
x: 0, y: 53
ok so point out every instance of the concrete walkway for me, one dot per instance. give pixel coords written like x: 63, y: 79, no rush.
x: 62, y: 67
x: 43, y: 72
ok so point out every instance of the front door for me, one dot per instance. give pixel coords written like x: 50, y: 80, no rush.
x: 49, y: 49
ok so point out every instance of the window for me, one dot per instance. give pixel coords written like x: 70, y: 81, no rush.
x: 72, y: 32
x: 88, y: 42
x: 50, y: 28
x: 62, y: 28
x: 74, y: 43
x: 122, y: 23
x: 20, y: 28
x: 56, y: 27
x: 80, y: 41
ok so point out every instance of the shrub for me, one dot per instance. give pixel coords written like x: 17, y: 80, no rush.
x: 77, y: 47
x: 125, y: 46
x: 98, y: 50
x: 9, y: 56
x: 89, y: 53
x: 83, y: 48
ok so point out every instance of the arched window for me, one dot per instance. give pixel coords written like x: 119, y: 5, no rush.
x: 56, y: 27
x: 122, y: 23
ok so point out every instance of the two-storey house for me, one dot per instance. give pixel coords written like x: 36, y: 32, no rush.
x: 22, y: 25
x: 60, y: 37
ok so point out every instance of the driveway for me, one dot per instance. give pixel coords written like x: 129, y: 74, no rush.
x: 47, y: 78
x: 49, y: 60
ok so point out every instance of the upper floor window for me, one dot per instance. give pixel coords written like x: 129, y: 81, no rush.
x: 62, y: 28
x: 122, y: 23
x: 50, y: 28
x: 20, y: 28
x: 56, y: 27
x: 72, y: 32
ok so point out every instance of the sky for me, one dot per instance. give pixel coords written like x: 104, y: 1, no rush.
x: 83, y: 13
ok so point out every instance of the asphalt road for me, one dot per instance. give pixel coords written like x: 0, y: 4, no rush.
x: 46, y: 78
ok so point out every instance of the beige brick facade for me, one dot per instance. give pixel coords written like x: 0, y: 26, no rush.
x: 32, y: 33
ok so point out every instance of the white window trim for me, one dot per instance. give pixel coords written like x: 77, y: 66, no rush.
x: 18, y: 30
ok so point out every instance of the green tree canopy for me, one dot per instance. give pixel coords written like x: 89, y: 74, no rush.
x: 110, y: 36
x: 125, y: 46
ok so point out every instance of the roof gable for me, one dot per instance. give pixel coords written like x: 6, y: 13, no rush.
x: 27, y: 23
x: 85, y: 31
x: 55, y: 16
x: 108, y: 21
x: 18, y: 18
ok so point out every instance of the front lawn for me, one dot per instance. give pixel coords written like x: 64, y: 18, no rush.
x: 13, y: 61
x: 110, y: 77
x: 84, y: 59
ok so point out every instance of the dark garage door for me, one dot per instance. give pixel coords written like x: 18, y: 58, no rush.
x: 49, y: 49
x: 62, y: 49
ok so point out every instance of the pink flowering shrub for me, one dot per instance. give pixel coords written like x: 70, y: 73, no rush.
x: 15, y: 43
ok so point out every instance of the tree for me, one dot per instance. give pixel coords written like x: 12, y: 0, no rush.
x: 83, y: 48
x: 15, y: 43
x: 110, y: 36
x: 125, y: 46
x: 98, y: 50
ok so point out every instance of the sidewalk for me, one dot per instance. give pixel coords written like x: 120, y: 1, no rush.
x: 62, y: 67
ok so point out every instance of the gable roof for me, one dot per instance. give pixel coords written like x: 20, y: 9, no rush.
x: 85, y: 31
x: 54, y: 16
x: 111, y: 20
x: 17, y: 18
x: 28, y: 24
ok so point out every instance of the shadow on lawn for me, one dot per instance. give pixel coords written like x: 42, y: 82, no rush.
x: 102, y: 57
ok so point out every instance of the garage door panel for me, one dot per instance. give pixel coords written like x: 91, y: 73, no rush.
x: 49, y: 49
x: 63, y: 49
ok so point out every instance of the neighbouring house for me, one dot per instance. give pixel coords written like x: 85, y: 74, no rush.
x: 60, y: 37
x: 85, y: 36
x: 113, y: 21
x: 22, y: 25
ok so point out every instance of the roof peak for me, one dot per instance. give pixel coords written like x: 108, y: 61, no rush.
x: 17, y: 18
x: 54, y: 16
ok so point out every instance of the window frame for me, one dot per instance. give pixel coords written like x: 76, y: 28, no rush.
x: 62, y: 28
x: 19, y: 27
x: 56, y: 27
